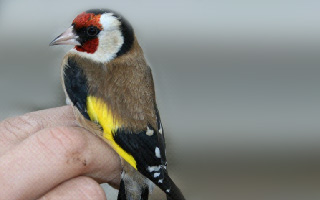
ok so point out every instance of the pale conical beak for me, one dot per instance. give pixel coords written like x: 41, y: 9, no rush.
x: 66, y: 38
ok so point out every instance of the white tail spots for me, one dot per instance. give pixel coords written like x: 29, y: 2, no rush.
x: 157, y: 152
x: 149, y: 131
x: 168, y: 190
x: 160, y: 181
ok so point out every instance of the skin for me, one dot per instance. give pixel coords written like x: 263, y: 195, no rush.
x: 45, y: 155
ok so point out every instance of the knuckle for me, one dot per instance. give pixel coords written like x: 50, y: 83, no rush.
x: 31, y: 122
x: 6, y: 128
x: 21, y: 126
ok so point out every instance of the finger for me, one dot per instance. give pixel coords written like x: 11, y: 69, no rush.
x: 52, y: 156
x: 14, y: 130
x: 79, y: 188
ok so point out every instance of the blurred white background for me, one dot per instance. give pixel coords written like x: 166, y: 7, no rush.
x: 237, y: 85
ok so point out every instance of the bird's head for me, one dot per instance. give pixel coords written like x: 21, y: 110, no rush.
x: 98, y: 34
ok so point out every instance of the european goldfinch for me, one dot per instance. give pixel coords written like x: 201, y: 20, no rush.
x: 110, y: 85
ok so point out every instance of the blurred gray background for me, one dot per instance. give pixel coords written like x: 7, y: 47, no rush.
x: 237, y: 86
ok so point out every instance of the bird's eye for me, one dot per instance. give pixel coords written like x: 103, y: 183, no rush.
x: 92, y: 31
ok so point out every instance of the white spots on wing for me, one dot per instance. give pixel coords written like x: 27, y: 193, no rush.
x: 155, y: 175
x: 157, y: 152
x: 160, y: 129
x: 168, y: 190
x: 149, y: 131
x: 160, y: 181
x: 154, y: 168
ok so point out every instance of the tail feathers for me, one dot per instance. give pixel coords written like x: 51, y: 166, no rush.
x: 136, y: 186
x: 173, y: 192
x: 165, y: 183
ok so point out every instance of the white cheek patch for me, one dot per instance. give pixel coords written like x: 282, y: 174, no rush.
x: 110, y: 40
x: 110, y: 43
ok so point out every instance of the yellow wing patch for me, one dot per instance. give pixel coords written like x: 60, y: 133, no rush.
x: 99, y: 112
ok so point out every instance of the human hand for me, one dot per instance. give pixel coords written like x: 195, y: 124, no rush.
x: 45, y: 155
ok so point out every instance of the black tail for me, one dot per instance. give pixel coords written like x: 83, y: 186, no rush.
x: 166, y: 184
x: 173, y: 193
x: 161, y: 178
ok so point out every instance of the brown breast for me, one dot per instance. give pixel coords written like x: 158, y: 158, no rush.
x: 126, y: 86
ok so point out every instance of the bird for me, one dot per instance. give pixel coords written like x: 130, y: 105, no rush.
x: 109, y: 84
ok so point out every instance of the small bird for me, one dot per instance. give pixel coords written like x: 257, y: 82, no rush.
x: 110, y: 86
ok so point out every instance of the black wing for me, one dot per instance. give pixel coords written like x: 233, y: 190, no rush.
x: 149, y: 152
x: 76, y: 86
